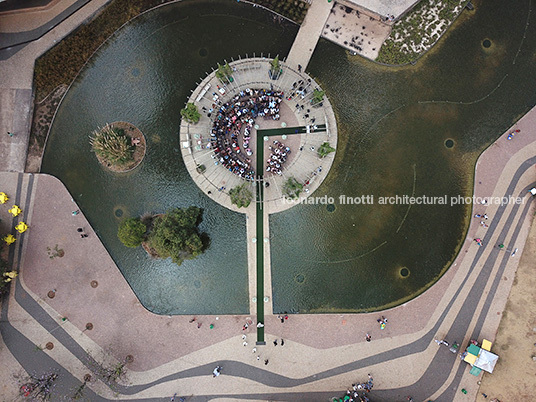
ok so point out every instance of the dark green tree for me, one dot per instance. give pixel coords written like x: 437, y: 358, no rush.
x: 175, y: 234
x: 241, y: 195
x: 131, y: 232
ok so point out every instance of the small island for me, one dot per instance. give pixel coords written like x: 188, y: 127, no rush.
x: 174, y: 234
x: 119, y: 146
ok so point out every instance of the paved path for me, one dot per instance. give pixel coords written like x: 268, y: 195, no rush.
x: 309, y: 33
x: 13, y: 38
x: 304, y: 164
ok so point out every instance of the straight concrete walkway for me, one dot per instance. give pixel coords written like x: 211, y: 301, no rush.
x: 309, y: 33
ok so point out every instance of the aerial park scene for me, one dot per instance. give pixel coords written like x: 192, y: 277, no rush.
x: 298, y: 200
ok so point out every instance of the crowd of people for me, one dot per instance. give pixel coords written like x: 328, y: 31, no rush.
x: 358, y: 393
x: 231, y: 130
x: 278, y: 157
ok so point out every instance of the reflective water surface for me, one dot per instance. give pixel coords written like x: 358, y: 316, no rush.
x: 393, y: 124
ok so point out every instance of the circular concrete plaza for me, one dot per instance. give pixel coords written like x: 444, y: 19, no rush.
x: 301, y: 124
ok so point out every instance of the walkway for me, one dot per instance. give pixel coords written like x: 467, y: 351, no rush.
x: 22, y: 27
x: 309, y: 33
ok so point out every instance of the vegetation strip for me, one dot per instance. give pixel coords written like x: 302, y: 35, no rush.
x: 61, y: 64
x: 419, y: 30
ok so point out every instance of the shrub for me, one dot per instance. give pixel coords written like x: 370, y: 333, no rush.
x: 131, y: 232
x: 275, y: 68
x: 190, y: 113
x: 112, y: 145
x: 325, y: 149
x: 292, y: 189
x: 318, y: 96
x: 241, y: 196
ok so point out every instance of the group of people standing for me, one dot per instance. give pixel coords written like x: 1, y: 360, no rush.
x: 358, y: 393
x: 278, y: 157
x: 231, y: 130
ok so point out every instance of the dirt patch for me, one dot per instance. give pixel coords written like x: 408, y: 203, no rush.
x: 514, y: 377
x: 43, y: 114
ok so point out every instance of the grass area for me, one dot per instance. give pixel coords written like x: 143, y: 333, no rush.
x: 61, y: 63
x: 419, y: 30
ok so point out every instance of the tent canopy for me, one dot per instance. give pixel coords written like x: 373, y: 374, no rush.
x: 475, y: 371
x: 486, y: 345
x: 473, y: 349
x: 486, y: 361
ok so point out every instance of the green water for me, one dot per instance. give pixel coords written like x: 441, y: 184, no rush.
x: 390, y: 143
x: 144, y: 75
x: 345, y: 260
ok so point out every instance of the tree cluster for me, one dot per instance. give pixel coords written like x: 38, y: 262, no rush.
x: 174, y: 234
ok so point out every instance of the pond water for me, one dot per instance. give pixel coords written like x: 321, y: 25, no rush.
x: 392, y: 141
x: 144, y: 75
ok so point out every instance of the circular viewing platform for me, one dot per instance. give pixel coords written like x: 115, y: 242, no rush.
x: 300, y: 125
